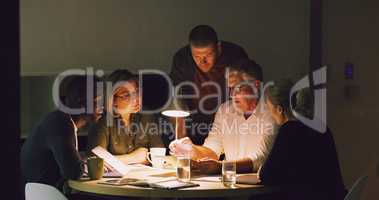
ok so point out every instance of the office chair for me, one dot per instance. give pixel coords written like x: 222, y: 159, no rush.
x: 355, y: 192
x: 34, y: 191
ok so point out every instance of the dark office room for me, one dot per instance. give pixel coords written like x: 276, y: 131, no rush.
x: 210, y: 99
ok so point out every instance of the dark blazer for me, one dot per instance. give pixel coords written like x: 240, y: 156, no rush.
x: 49, y: 154
x: 306, y: 161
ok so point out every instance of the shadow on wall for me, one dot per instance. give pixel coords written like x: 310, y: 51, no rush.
x: 36, y: 100
x: 371, y: 191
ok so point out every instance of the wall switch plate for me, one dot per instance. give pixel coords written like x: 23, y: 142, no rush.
x: 349, y: 71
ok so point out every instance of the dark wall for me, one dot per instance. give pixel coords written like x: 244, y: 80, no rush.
x: 351, y: 30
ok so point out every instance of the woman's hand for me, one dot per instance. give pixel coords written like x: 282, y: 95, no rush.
x: 138, y: 156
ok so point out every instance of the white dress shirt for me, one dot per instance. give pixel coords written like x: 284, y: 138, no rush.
x: 76, y: 133
x: 241, y: 138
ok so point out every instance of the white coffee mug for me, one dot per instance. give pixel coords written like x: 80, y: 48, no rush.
x: 157, y: 156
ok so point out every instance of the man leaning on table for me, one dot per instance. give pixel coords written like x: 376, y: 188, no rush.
x: 243, y: 130
x: 202, y: 62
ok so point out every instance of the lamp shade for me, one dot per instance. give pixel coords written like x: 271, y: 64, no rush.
x: 176, y: 109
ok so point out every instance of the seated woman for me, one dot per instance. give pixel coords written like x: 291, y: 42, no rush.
x: 301, y: 157
x: 123, y: 130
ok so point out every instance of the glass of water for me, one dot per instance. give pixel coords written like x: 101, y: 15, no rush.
x: 183, y: 169
x: 229, y: 173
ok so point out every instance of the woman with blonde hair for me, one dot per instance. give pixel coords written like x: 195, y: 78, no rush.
x: 123, y: 130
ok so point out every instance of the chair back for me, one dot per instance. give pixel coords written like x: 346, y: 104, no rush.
x: 355, y: 192
x: 34, y: 191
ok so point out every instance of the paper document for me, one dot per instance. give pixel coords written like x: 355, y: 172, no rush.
x: 114, y: 162
x: 208, y: 178
x: 251, y: 179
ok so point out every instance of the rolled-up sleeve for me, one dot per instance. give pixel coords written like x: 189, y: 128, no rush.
x: 214, y: 139
x: 269, y: 132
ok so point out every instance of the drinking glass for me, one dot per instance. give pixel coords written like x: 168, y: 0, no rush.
x: 229, y: 173
x: 183, y: 169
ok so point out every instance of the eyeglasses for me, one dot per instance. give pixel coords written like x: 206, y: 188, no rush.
x: 127, y: 96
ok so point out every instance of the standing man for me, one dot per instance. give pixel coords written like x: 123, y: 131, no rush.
x: 198, y: 70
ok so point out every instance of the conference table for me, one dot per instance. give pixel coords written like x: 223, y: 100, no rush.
x: 209, y: 187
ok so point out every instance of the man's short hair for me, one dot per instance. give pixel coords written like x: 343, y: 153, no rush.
x: 248, y: 67
x: 74, y: 90
x: 304, y: 102
x: 202, y: 36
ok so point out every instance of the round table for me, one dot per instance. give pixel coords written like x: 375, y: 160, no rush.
x: 206, y: 188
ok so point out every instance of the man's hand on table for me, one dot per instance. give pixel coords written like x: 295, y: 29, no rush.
x: 207, y: 166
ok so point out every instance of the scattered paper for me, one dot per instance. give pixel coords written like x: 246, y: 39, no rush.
x: 208, y: 179
x: 251, y: 179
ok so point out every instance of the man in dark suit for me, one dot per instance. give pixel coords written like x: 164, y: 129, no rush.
x: 50, y: 154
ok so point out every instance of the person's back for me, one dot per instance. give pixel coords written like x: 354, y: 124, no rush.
x: 44, y: 158
x: 304, y: 157
x: 50, y: 153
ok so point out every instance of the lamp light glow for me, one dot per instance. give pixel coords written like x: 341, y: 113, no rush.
x: 178, y: 110
x: 175, y: 113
